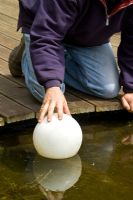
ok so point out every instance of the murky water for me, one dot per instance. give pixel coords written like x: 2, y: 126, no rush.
x: 103, y: 169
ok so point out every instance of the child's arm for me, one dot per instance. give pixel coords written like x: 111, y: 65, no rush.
x: 52, y: 21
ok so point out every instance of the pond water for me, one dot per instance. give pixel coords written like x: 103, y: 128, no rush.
x: 103, y: 169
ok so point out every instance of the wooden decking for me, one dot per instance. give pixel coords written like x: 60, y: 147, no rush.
x: 16, y: 103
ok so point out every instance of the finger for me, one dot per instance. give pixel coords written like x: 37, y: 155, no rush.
x: 60, y: 110
x: 125, y: 104
x: 131, y: 107
x: 43, y: 111
x: 66, y: 108
x: 51, y: 110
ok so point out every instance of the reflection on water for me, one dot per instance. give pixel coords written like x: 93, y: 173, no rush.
x: 105, y: 160
x: 56, y: 175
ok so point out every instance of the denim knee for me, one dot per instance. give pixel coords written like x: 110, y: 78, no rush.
x: 110, y: 91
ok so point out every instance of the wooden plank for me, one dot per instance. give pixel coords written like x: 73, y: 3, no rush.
x: 4, y: 53
x: 74, y: 103
x: 12, y: 3
x: 18, y: 93
x: 8, y: 21
x: 9, y: 31
x: 117, y: 34
x: 114, y: 51
x: 23, y: 97
x: 4, y: 67
x: 8, y: 42
x: 12, y: 111
x: 77, y: 105
x: 2, y: 122
x: 115, y: 41
x: 101, y: 105
x: 4, y: 70
x: 9, y: 8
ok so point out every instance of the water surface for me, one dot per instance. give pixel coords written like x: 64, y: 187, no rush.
x: 103, y: 169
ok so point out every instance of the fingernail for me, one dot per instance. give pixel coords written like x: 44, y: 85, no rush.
x: 49, y: 120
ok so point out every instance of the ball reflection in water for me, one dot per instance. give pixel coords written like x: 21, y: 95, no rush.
x: 57, y: 175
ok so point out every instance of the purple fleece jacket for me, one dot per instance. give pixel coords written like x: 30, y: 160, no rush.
x: 51, y: 23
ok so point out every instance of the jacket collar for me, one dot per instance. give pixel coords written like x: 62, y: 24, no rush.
x: 120, y: 6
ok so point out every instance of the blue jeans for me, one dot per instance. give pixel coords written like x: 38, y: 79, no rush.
x: 92, y: 70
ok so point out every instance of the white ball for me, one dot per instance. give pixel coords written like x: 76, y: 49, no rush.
x: 58, y: 139
x: 57, y: 175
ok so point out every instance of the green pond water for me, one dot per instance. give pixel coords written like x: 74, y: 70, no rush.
x: 103, y: 169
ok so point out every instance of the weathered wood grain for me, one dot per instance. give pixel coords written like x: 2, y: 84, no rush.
x: 115, y: 40
x: 101, y: 105
x: 4, y: 70
x: 22, y: 96
x: 9, y: 31
x: 114, y: 48
x: 18, y: 93
x: 4, y: 53
x: 12, y: 111
x: 8, y: 21
x: 9, y: 8
x: 77, y: 105
x: 8, y: 42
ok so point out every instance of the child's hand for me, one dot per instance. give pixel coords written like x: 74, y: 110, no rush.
x: 54, y: 98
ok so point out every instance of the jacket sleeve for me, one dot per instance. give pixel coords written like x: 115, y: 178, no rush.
x: 52, y: 21
x: 125, y: 52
